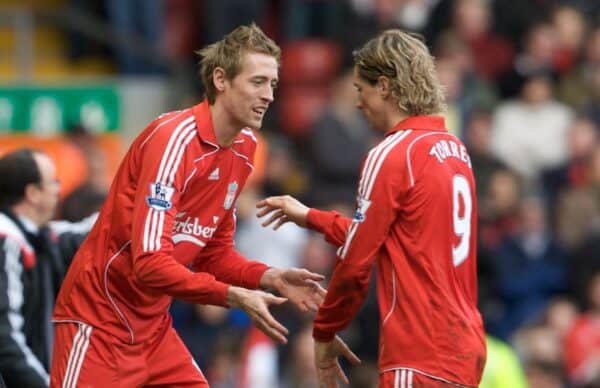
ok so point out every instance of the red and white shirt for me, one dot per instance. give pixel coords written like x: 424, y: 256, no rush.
x: 416, y: 217
x: 170, y: 207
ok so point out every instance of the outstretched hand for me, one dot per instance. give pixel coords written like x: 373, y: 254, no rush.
x: 301, y: 288
x: 282, y: 209
x: 328, y: 365
x: 256, y: 303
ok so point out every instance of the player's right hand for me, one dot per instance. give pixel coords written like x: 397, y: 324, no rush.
x: 282, y: 209
x: 327, y: 363
x: 256, y: 304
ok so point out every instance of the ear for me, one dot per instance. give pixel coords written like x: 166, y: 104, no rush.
x: 219, y: 79
x: 32, y: 193
x: 383, y: 87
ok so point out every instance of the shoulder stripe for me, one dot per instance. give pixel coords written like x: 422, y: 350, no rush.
x: 180, y: 153
x: 369, y: 175
x: 373, y: 154
x: 186, y: 136
x: 145, y: 244
x: 409, y: 161
x: 171, y: 158
x: 174, y: 140
x: 161, y: 124
x: 152, y: 220
x: 397, y: 138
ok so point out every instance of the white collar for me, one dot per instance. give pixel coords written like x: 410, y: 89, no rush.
x: 28, y: 224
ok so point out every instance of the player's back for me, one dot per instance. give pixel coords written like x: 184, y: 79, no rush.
x: 427, y: 269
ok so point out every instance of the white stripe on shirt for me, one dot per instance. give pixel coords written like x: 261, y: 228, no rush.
x: 371, y: 169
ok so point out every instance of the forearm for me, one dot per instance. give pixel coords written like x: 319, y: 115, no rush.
x: 346, y: 292
x: 164, y: 273
x: 331, y: 224
x: 231, y: 267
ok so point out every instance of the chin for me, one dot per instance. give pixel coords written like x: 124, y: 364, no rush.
x: 254, y: 125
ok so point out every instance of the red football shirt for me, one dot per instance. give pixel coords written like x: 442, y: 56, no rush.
x: 416, y: 217
x: 171, y: 206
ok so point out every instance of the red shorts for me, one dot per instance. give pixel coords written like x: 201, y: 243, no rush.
x: 84, y: 356
x: 406, y: 378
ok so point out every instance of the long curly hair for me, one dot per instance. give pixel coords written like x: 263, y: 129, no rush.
x: 405, y: 60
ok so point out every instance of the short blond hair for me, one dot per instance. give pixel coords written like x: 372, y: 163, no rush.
x: 228, y: 54
x: 405, y: 60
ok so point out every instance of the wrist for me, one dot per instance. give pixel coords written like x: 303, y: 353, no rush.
x: 235, y: 296
x: 322, y: 336
x: 271, y: 278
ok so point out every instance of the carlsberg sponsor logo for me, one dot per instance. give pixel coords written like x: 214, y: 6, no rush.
x: 193, y: 227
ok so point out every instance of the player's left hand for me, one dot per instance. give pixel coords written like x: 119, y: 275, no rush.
x: 301, y: 288
x: 328, y: 365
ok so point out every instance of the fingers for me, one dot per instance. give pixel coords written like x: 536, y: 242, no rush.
x: 269, y: 201
x: 311, y: 306
x: 320, y: 290
x: 345, y: 351
x: 275, y: 325
x: 340, y: 373
x: 266, y: 209
x: 269, y: 204
x: 327, y: 377
x: 276, y: 331
x: 282, y: 220
x: 269, y: 325
x: 256, y: 304
x: 272, y: 299
x: 307, y: 275
x: 276, y: 216
x: 350, y: 356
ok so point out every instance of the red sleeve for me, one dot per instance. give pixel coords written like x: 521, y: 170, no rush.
x: 330, y: 223
x: 375, y: 212
x: 159, y: 169
x: 221, y: 259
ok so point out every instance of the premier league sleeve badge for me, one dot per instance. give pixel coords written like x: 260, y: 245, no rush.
x: 160, y: 196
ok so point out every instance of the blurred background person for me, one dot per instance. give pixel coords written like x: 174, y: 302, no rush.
x: 529, y: 132
x: 582, y: 341
x: 34, y: 258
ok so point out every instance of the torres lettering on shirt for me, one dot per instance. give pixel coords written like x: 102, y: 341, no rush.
x: 167, y: 211
x: 416, y: 218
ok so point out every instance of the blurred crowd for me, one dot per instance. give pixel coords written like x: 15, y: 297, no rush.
x: 523, y: 89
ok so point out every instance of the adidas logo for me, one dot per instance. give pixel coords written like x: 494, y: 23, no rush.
x: 214, y: 176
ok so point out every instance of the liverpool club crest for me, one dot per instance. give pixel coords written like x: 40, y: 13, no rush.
x: 230, y: 197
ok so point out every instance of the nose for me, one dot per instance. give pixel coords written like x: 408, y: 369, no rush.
x: 268, y: 94
x: 357, y: 104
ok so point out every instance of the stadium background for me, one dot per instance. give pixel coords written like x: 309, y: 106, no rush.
x: 81, y: 78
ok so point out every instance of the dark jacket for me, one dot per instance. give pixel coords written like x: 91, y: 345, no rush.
x: 32, y: 267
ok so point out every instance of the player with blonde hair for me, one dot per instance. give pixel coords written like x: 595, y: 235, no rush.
x: 170, y: 208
